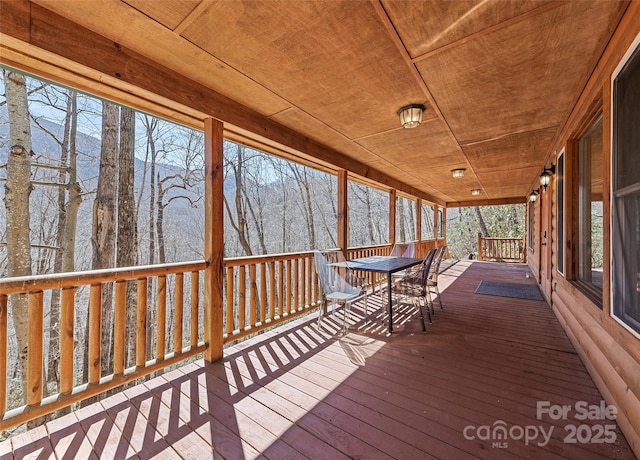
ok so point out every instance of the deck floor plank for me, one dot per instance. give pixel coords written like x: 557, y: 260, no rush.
x: 297, y: 391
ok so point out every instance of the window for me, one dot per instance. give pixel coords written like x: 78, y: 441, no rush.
x: 625, y: 236
x: 590, y: 231
x: 560, y: 200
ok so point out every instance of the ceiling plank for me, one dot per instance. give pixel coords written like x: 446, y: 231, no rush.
x: 195, y: 14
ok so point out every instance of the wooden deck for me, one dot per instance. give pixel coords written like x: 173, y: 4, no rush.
x: 296, y: 392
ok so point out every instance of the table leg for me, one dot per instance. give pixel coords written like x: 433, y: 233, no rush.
x: 390, y: 306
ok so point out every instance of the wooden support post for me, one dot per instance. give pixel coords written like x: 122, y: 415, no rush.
x: 213, y: 239
x: 392, y: 216
x: 419, y: 222
x: 343, y: 213
x: 436, y: 224
x: 479, y: 246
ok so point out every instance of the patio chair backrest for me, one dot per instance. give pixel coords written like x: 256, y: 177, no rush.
x: 403, y: 250
x: 333, y: 278
x: 435, y: 266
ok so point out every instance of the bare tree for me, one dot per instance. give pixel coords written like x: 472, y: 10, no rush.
x: 127, y: 229
x: 481, y: 223
x: 17, y: 190
x: 104, y: 224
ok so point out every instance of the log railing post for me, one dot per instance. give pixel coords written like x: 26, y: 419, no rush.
x: 479, y: 246
x: 213, y: 238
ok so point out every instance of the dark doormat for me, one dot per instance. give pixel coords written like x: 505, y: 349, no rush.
x: 515, y: 290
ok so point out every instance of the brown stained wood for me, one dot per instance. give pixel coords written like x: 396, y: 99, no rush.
x: 95, y: 332
x: 36, y: 342
x: 119, y: 329
x: 141, y: 324
x: 263, y: 293
x: 242, y: 297
x: 296, y: 390
x: 230, y: 300
x: 178, y: 312
x: 253, y: 289
x: 281, y: 293
x: 195, y: 302
x: 75, y: 279
x: 392, y: 216
x: 272, y: 290
x: 161, y: 317
x: 169, y: 14
x: 67, y: 342
x: 343, y: 212
x: 213, y: 239
x: 289, y: 286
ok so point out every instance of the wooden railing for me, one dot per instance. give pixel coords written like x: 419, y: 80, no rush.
x: 78, y: 287
x: 260, y: 292
x: 263, y: 291
x: 501, y: 249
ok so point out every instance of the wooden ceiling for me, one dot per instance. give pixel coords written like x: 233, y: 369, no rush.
x: 499, y: 78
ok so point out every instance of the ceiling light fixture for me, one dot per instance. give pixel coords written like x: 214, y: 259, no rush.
x: 458, y: 173
x: 475, y: 192
x: 545, y: 177
x: 411, y: 115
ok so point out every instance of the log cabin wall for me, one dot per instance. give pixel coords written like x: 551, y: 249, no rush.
x: 610, y: 352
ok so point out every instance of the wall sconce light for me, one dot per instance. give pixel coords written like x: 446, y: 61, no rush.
x: 533, y: 196
x: 458, y: 173
x: 475, y: 192
x: 545, y: 177
x: 411, y: 115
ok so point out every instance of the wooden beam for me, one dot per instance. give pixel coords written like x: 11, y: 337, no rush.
x: 213, y: 239
x: 66, y: 52
x: 418, y: 220
x: 343, y: 211
x: 489, y: 202
x: 392, y: 216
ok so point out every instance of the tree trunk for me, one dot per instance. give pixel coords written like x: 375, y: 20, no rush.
x: 127, y: 239
x: 17, y: 190
x: 481, y: 224
x: 402, y: 227
x: 104, y: 219
x: 63, y: 233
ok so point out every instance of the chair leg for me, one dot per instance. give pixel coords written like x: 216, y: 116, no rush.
x: 428, y: 309
x: 439, y: 297
x: 416, y: 302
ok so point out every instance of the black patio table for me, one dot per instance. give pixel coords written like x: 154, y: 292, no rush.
x: 384, y: 264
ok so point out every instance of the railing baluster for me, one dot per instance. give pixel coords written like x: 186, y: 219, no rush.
x: 119, y: 322
x: 178, y: 313
x: 272, y: 290
x: 195, y: 303
x: 230, y: 300
x: 67, y: 326
x: 141, y: 323
x: 3, y: 354
x: 302, y: 277
x: 161, y: 318
x: 280, y: 288
x: 35, y: 354
x: 289, y: 286
x: 253, y: 291
x: 242, y: 297
x: 263, y: 293
x: 95, y: 332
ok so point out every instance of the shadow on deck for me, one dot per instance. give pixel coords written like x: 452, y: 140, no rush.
x: 486, y: 362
